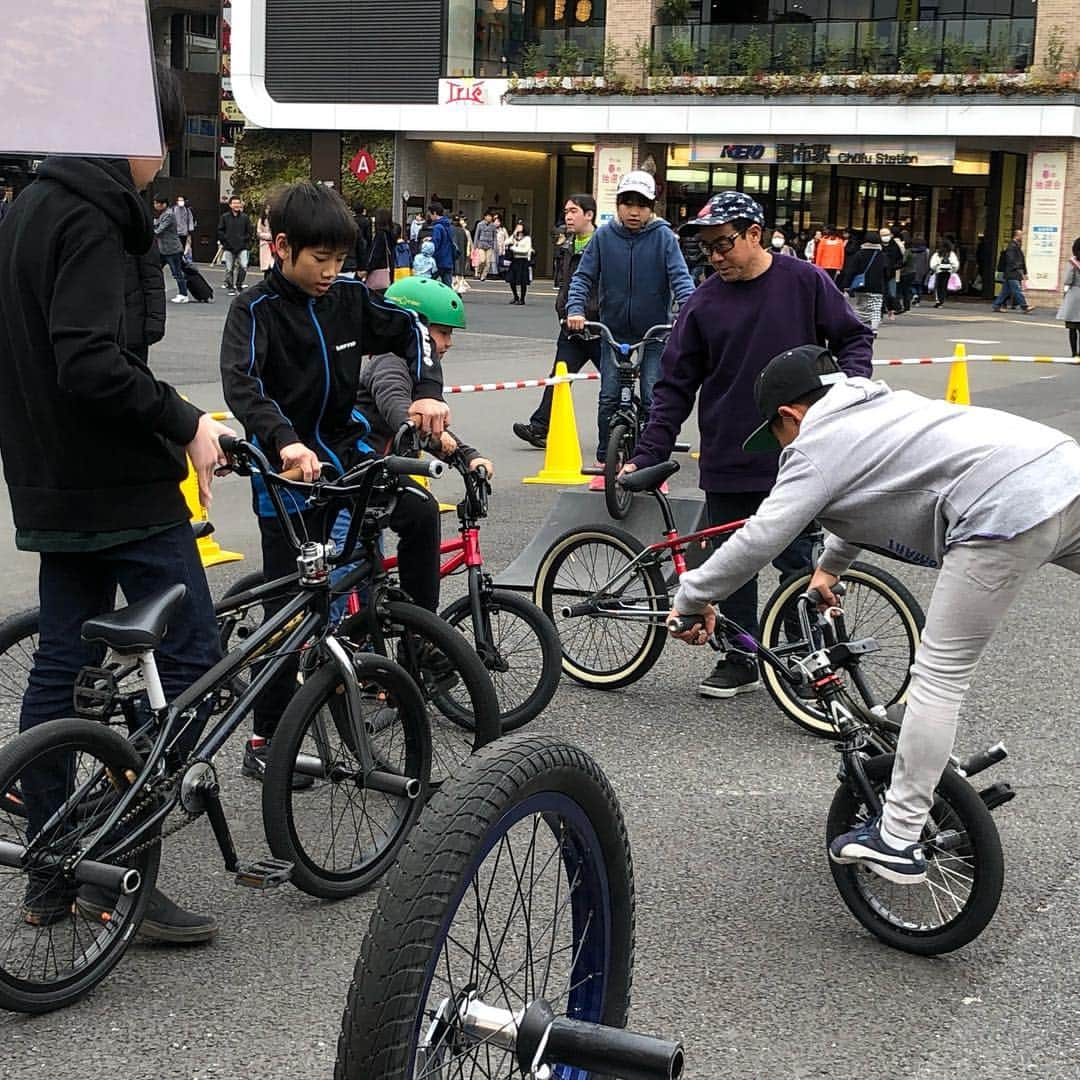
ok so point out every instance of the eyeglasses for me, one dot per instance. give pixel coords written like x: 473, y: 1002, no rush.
x: 721, y: 245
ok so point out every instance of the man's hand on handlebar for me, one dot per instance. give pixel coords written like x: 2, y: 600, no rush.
x: 297, y: 456
x: 575, y: 323
x: 483, y: 463
x: 823, y: 582
x: 206, y: 453
x: 627, y: 469
x: 694, y: 629
x: 431, y: 416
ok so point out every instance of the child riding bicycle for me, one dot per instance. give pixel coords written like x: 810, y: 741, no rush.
x: 984, y: 496
x: 290, y: 367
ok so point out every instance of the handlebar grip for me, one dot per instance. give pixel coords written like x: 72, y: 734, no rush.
x: 295, y: 473
x: 407, y: 466
x: 229, y: 443
x: 815, y: 597
x: 593, y: 1047
x: 681, y: 624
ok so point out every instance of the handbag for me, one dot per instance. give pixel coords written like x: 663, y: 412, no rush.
x: 954, y: 283
x: 379, y: 280
x: 504, y: 262
x: 858, y: 282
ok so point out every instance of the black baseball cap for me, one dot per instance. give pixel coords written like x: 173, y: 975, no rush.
x: 784, y: 379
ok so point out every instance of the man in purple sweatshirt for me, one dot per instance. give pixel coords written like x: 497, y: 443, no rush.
x: 754, y: 307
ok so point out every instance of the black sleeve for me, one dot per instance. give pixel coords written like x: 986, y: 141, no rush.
x: 87, y: 307
x: 152, y: 282
x: 243, y: 354
x: 221, y: 229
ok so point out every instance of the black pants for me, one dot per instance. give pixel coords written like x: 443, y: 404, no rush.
x: 1074, y: 338
x: 75, y: 587
x: 742, y: 605
x: 518, y: 276
x: 575, y: 352
x: 415, y: 520
x: 941, y: 285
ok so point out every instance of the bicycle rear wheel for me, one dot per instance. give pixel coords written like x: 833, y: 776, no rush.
x: 52, y: 952
x: 620, y: 449
x: 516, y: 884
x: 342, y: 835
x: 523, y: 657
x: 965, y: 869
x: 876, y: 606
x: 586, y: 571
x: 18, y: 643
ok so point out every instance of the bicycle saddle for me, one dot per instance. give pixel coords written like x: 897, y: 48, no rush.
x: 649, y: 479
x: 137, y: 627
x: 199, y: 529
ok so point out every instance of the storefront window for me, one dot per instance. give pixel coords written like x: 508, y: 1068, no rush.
x: 530, y: 37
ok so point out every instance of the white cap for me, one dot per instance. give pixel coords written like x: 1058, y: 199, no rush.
x: 640, y: 182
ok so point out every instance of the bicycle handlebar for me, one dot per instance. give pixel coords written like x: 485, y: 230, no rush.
x: 654, y: 333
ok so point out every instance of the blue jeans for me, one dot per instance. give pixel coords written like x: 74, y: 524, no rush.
x: 1010, y: 290
x: 75, y: 587
x: 176, y: 265
x: 445, y: 275
x: 742, y: 605
x: 648, y: 373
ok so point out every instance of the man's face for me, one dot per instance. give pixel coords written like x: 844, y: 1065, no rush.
x: 442, y: 337
x: 235, y: 205
x: 487, y: 218
x: 634, y: 212
x: 1018, y: 236
x: 577, y: 220
x: 738, y: 255
x: 314, y: 268
x: 158, y: 206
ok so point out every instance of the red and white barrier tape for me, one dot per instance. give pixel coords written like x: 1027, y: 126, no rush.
x: 521, y: 384
x: 996, y: 359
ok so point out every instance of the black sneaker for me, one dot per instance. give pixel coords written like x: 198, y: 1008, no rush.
x: 731, y: 677
x: 49, y: 899
x: 437, y: 671
x: 165, y: 920
x: 527, y: 433
x: 863, y: 845
x: 254, y: 765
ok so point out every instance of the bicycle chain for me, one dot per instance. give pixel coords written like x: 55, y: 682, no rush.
x: 146, y: 803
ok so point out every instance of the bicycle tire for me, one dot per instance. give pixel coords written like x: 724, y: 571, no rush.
x: 462, y: 718
x: 644, y: 649
x: 957, y: 805
x: 888, y: 671
x: 521, y: 781
x: 108, y: 938
x: 287, y: 813
x: 515, y: 709
x: 18, y: 643
x: 241, y: 585
x: 620, y: 449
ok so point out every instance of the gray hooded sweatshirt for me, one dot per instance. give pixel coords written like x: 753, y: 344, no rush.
x: 901, y: 474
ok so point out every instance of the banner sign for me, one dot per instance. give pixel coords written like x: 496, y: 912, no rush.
x: 801, y: 151
x: 1045, y: 220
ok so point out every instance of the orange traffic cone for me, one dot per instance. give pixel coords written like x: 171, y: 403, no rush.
x: 562, y: 457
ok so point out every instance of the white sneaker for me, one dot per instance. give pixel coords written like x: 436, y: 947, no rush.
x: 178, y: 299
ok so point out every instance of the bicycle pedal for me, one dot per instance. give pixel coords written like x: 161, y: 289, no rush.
x: 997, y: 795
x: 95, y: 692
x: 264, y: 874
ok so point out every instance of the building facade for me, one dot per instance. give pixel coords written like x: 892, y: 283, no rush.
x: 828, y: 111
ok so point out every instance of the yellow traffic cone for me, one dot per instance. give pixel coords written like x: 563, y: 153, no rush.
x: 425, y: 482
x: 956, y: 389
x: 562, y: 457
x: 210, y: 551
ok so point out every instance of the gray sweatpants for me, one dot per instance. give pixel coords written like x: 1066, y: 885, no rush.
x: 978, y: 581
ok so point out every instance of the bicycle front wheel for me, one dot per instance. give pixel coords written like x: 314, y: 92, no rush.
x: 620, y: 449
x: 876, y: 606
x: 587, y: 579
x: 342, y: 834
x: 522, y: 655
x: 53, y: 949
x: 516, y: 884
x: 965, y: 869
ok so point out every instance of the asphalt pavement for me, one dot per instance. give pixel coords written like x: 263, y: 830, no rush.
x: 745, y: 950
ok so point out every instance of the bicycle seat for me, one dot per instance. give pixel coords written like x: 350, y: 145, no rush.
x: 137, y: 627
x: 199, y: 529
x: 649, y: 479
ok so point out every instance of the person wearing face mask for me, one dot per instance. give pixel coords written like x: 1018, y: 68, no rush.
x: 892, y: 251
x: 756, y: 305
x: 185, y: 225
x: 779, y: 244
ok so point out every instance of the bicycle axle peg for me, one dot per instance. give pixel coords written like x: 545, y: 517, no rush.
x: 121, y: 879
x: 983, y: 759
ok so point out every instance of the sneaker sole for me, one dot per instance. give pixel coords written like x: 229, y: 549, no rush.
x: 148, y: 930
x: 727, y: 692
x: 882, y: 871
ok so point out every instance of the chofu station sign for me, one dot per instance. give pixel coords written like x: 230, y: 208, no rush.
x: 811, y: 151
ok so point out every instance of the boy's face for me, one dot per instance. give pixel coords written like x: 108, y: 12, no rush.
x: 313, y: 269
x: 577, y: 220
x: 159, y: 206
x: 634, y: 212
x: 442, y: 337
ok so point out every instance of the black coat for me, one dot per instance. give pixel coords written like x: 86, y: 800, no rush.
x: 570, y: 261
x: 234, y: 231
x: 90, y: 440
x: 381, y: 252
x: 866, y: 260
x: 144, y: 302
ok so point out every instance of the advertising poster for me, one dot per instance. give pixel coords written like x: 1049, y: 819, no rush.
x: 1045, y: 219
x: 611, y: 163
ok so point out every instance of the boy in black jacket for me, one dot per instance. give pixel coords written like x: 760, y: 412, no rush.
x: 290, y: 367
x: 93, y: 449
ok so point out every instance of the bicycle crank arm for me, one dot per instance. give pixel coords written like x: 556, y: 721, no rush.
x: 389, y: 783
x: 87, y: 872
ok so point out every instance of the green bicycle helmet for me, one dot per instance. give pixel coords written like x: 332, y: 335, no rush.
x: 433, y: 301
